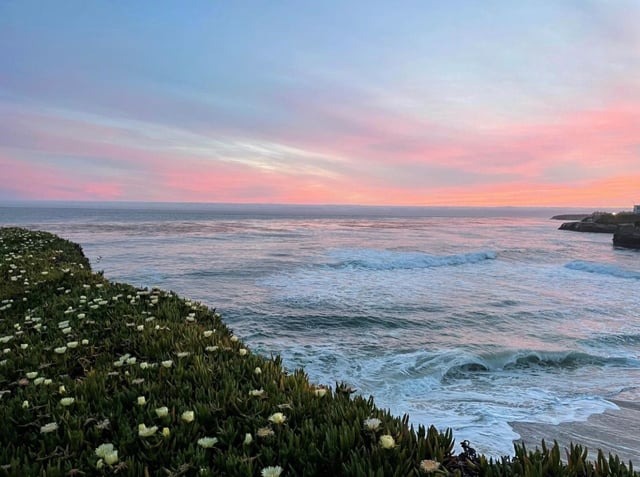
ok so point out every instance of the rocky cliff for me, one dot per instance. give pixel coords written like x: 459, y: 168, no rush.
x: 627, y: 236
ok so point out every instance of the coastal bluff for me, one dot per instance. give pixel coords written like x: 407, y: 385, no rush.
x: 623, y: 224
x: 627, y: 236
x: 103, y: 378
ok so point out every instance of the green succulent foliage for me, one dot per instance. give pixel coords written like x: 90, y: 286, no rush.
x: 86, y: 364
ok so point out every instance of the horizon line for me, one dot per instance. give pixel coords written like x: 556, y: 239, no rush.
x: 282, y: 204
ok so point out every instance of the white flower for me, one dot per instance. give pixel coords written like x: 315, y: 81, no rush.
x: 258, y: 370
x: 162, y: 411
x: 243, y: 351
x: 320, y: 392
x: 234, y: 338
x: 111, y: 458
x: 167, y: 364
x: 85, y: 342
x: 387, y: 441
x: 24, y: 345
x: 372, y: 423
x: 131, y: 360
x: 38, y: 381
x: 207, y: 333
x: 25, y: 404
x: 183, y: 354
x: 188, y: 416
x: 166, y: 432
x: 68, y: 401
x: 142, y: 400
x: 277, y: 418
x: 271, y: 471
x: 211, y: 348
x: 62, y: 389
x: 67, y: 330
x: 144, y: 365
x: 81, y: 316
x: 428, y: 465
x: 60, y: 350
x: 72, y: 344
x: 265, y: 432
x: 144, y: 431
x: 52, y: 426
x: 103, y: 449
x: 6, y: 339
x: 47, y: 381
x: 140, y: 327
x: 207, y: 442
x: 256, y: 392
x: 248, y: 439
x: 32, y: 374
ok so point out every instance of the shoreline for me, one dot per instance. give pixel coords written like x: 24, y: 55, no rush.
x: 613, y: 431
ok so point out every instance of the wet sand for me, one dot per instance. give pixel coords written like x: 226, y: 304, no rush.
x: 615, y: 432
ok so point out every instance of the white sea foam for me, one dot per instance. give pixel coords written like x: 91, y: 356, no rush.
x: 477, y: 404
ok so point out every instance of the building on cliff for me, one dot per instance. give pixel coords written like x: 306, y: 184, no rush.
x: 636, y: 209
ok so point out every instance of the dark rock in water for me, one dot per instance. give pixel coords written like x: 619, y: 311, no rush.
x: 627, y: 236
x: 601, y: 222
x: 585, y: 226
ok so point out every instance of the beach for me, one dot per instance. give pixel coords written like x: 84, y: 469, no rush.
x: 615, y: 432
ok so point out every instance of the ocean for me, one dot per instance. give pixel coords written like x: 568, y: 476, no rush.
x: 464, y: 318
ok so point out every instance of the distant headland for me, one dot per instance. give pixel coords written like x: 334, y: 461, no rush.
x: 625, y: 225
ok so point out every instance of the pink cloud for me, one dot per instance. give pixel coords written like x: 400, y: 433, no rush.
x: 22, y: 181
x: 578, y: 158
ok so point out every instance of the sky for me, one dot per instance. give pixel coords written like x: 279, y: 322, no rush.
x: 460, y: 103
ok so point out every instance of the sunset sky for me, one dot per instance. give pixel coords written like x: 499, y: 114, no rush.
x: 328, y: 102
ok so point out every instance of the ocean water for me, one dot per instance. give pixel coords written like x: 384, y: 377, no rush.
x: 462, y: 318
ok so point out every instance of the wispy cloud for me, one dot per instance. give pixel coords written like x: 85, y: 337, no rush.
x: 362, y: 103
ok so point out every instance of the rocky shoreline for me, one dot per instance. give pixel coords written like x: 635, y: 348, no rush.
x: 625, y: 226
x: 627, y: 236
x: 589, y: 227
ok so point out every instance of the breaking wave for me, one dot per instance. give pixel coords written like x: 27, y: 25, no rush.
x: 602, y: 269
x: 391, y: 260
x: 456, y: 363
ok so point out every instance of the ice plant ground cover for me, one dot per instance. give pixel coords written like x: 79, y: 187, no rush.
x: 101, y: 378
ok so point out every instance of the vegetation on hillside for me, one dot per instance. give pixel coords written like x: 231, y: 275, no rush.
x: 609, y: 218
x: 101, y: 378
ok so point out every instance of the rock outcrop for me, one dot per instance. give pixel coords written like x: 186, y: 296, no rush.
x: 627, y: 236
x: 584, y: 226
x: 601, y: 222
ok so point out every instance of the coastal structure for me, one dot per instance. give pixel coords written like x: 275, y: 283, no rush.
x: 636, y: 209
